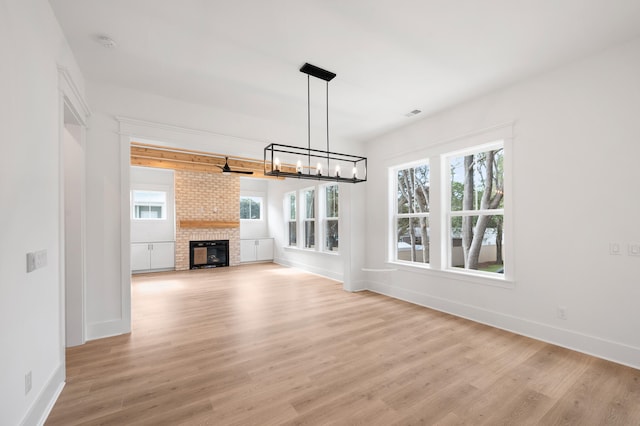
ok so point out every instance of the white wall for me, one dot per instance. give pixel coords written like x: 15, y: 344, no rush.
x: 31, y: 318
x: 575, y: 186
x: 150, y: 179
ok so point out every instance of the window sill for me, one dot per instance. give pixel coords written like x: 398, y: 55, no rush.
x: 306, y: 250
x: 465, y: 276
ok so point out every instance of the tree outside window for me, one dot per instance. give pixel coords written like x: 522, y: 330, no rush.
x: 476, y: 210
x: 308, y: 197
x: 292, y: 223
x: 250, y: 208
x: 331, y: 219
x: 412, y: 214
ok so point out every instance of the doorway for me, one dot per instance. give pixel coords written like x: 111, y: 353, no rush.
x: 73, y: 163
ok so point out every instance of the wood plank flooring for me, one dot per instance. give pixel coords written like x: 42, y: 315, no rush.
x: 266, y: 345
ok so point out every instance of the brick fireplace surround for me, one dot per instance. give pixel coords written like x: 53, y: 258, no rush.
x: 207, y: 197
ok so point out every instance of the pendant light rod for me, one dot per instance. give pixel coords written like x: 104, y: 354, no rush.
x: 328, y: 166
x: 308, y: 119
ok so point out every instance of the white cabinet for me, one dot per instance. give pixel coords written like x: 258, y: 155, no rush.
x: 152, y: 256
x: 256, y: 250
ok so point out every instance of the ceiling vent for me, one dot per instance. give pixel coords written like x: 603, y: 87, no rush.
x: 412, y: 113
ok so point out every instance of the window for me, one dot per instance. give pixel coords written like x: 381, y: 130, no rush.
x: 308, y: 198
x: 448, y: 210
x: 412, y: 213
x: 251, y: 208
x: 330, y: 228
x: 291, y: 218
x: 149, y: 205
x: 475, y: 213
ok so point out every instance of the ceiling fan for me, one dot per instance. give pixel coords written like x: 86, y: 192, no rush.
x: 226, y: 170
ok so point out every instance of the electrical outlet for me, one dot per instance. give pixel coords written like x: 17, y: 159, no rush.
x: 634, y: 249
x: 614, y: 249
x: 27, y: 383
x: 562, y: 312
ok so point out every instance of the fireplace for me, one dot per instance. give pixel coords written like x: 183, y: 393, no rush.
x: 208, y: 254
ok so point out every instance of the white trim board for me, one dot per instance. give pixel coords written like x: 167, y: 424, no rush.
x: 44, y: 402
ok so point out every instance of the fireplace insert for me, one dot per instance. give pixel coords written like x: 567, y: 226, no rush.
x: 208, y: 254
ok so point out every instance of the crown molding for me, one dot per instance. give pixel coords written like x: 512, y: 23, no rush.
x: 71, y: 91
x: 124, y: 121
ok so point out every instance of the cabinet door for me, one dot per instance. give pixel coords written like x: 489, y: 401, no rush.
x: 140, y: 256
x: 163, y: 255
x: 265, y: 249
x: 247, y: 250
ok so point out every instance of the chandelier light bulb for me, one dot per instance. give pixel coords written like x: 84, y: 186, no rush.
x: 319, y: 169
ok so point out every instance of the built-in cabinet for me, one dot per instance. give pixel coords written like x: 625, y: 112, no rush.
x: 256, y: 250
x: 153, y: 256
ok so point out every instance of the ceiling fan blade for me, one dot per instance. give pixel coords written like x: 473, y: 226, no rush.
x: 227, y: 169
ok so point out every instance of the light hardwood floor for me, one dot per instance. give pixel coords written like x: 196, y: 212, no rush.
x: 265, y: 345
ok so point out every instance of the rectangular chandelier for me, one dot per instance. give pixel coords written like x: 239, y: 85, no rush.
x: 307, y: 163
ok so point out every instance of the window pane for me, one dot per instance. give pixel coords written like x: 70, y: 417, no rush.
x: 331, y: 197
x: 331, y: 235
x: 412, y: 242
x: 477, y: 181
x: 250, y: 208
x: 413, y: 189
x: 292, y: 206
x: 245, y: 208
x: 309, y: 234
x: 309, y: 197
x: 149, y: 197
x: 255, y: 209
x: 292, y: 234
x: 149, y: 204
x: 477, y: 243
x: 155, y: 212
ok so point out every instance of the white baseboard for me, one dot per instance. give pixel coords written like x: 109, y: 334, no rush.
x: 591, y: 345
x: 99, y: 330
x: 44, y: 402
x: 310, y: 268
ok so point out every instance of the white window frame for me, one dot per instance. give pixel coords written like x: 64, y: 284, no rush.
x: 260, y: 201
x: 440, y: 190
x: 324, y: 219
x: 134, y: 204
x: 450, y: 214
x: 304, y: 219
x: 396, y: 216
x: 288, y: 220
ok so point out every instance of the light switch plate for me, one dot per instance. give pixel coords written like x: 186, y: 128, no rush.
x: 31, y: 262
x: 634, y: 249
x: 36, y: 260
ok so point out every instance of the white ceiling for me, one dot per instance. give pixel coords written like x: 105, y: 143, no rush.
x: 390, y: 56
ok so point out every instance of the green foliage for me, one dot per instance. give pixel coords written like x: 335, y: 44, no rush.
x: 249, y: 209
